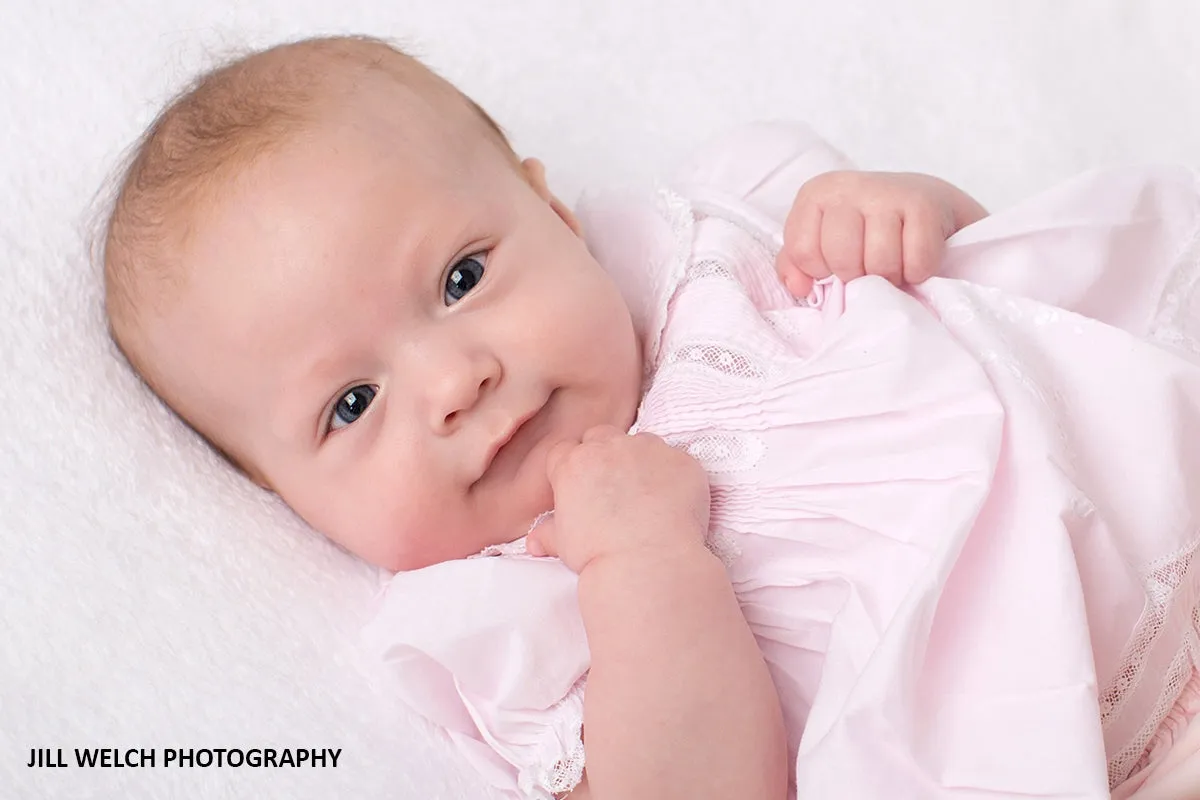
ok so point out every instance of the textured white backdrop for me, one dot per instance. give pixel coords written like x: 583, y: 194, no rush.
x: 148, y: 598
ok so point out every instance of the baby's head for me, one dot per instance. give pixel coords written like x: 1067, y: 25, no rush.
x: 331, y: 264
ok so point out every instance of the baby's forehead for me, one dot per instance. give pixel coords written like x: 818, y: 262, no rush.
x: 400, y: 119
x: 356, y: 189
x: 341, y: 136
x: 374, y: 126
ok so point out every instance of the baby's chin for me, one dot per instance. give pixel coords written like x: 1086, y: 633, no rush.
x: 498, y: 539
x: 529, y: 498
x: 501, y: 514
x: 509, y: 540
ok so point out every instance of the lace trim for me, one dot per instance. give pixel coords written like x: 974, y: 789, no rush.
x: 723, y: 451
x: 724, y: 545
x: 1174, y: 726
x: 517, y: 547
x: 514, y: 548
x: 764, y: 230
x: 559, y: 767
x: 707, y: 268
x: 1163, y: 580
x: 678, y: 213
x: 1169, y: 325
x: 719, y: 358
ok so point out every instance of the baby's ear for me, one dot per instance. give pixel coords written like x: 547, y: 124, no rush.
x: 535, y: 175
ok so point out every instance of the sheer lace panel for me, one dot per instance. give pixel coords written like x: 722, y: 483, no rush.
x: 1163, y: 580
x: 560, y: 760
x: 718, y: 358
x: 1177, y: 321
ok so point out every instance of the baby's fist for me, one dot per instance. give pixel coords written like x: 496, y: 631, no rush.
x: 615, y: 493
x: 850, y: 224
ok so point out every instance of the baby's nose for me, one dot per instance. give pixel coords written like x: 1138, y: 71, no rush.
x: 455, y: 387
x: 459, y: 396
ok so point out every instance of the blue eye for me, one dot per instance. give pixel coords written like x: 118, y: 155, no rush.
x: 352, y: 405
x: 462, y: 278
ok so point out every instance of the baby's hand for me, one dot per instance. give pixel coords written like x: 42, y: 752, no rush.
x: 851, y: 224
x: 615, y: 493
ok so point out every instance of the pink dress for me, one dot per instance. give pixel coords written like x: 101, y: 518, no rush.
x: 961, y: 520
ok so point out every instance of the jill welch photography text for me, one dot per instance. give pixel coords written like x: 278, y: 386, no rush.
x: 270, y: 757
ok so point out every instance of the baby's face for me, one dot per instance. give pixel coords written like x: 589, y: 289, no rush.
x: 392, y: 327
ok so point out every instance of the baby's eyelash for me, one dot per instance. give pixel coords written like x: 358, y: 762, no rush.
x: 349, y: 406
x: 463, y: 276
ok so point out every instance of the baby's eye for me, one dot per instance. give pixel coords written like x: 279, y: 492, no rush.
x: 351, y: 406
x: 463, y: 277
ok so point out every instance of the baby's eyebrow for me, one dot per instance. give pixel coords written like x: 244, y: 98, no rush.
x: 437, y: 249
x: 304, y: 395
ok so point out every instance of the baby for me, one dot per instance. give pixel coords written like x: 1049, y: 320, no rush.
x: 870, y: 542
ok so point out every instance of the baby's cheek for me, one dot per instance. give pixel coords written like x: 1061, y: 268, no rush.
x: 417, y: 529
x: 363, y: 522
x: 396, y: 530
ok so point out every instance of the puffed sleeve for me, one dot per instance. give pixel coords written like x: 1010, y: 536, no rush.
x: 493, y: 652
x: 749, y: 178
x: 756, y: 169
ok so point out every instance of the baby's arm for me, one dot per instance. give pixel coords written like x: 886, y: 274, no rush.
x: 679, y: 700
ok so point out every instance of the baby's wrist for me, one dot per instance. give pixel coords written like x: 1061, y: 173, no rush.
x: 654, y: 553
x: 656, y: 564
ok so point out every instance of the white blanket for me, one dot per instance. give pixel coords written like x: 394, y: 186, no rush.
x: 150, y: 598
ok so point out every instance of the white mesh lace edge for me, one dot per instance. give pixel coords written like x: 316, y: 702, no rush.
x: 677, y: 211
x: 764, y: 230
x: 1168, y: 326
x: 1161, y: 593
x: 558, y: 766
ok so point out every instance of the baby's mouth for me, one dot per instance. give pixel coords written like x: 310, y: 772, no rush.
x: 509, y: 452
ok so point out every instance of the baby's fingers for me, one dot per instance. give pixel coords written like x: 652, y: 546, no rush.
x: 883, y: 252
x: 800, y: 262
x: 541, y: 540
x: 842, y: 234
x: 798, y: 284
x: 924, y: 244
